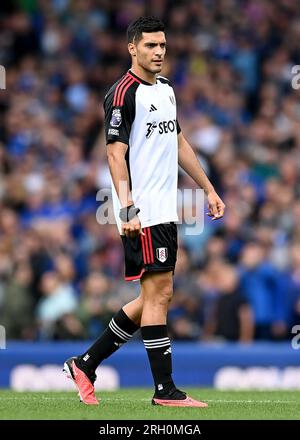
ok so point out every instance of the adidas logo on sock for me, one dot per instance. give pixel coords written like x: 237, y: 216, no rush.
x: 86, y: 357
x: 160, y: 387
x: 152, y: 108
x: 168, y: 351
x: 119, y: 344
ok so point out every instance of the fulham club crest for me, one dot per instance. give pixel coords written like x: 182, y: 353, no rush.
x: 162, y: 254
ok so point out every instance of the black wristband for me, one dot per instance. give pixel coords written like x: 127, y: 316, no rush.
x: 128, y: 213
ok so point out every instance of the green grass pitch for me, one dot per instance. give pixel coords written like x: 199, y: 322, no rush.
x: 135, y: 404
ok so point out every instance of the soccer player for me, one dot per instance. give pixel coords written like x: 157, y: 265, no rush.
x: 144, y: 146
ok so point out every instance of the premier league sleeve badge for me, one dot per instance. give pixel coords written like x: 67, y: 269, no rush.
x: 116, y: 118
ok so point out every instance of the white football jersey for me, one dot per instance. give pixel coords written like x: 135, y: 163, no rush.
x: 143, y: 116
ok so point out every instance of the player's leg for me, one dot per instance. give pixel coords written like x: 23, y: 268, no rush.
x: 81, y: 369
x: 157, y: 289
x: 119, y: 331
x: 126, y: 321
x: 134, y: 309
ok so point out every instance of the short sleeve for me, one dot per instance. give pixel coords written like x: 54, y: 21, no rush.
x: 119, y: 118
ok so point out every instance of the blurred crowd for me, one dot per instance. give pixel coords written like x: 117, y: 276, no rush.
x: 230, y: 62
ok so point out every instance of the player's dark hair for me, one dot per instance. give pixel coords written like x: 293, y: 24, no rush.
x: 143, y: 24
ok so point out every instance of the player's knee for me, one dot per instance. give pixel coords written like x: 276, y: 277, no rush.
x: 158, y: 290
x: 165, y: 296
x: 164, y: 292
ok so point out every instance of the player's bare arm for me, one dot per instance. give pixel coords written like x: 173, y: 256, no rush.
x: 187, y: 159
x: 118, y: 168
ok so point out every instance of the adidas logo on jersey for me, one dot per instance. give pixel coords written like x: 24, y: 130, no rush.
x: 152, y: 108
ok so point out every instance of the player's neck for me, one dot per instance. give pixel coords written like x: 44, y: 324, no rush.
x: 143, y: 74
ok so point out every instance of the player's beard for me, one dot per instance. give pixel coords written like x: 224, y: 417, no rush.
x: 158, y: 69
x: 153, y: 69
x: 150, y: 67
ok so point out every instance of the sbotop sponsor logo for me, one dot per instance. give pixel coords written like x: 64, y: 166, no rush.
x: 2, y: 338
x: 296, y: 339
x: 191, y: 204
x: 296, y: 77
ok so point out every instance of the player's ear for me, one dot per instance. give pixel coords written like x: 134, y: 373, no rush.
x: 132, y: 49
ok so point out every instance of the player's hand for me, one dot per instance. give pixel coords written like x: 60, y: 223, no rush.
x: 216, y: 206
x: 132, y: 228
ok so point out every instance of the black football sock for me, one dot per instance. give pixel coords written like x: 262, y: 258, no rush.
x: 158, y: 348
x: 119, y: 331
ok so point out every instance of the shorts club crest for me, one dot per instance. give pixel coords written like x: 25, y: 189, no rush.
x: 154, y: 252
x: 162, y: 254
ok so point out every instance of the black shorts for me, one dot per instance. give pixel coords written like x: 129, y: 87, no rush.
x: 156, y: 251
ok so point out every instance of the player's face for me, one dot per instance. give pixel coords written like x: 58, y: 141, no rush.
x: 150, y: 51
